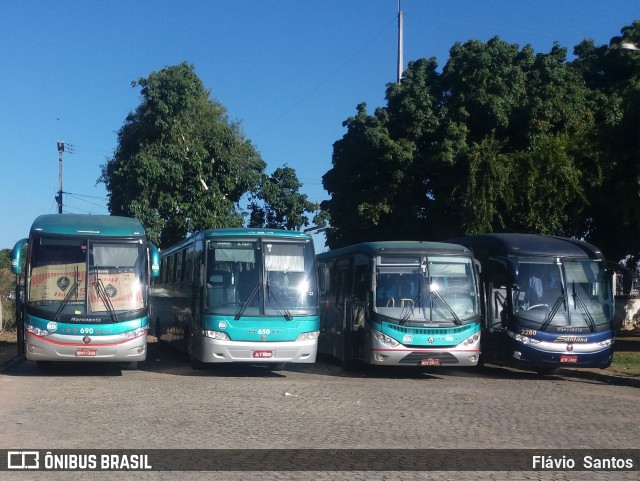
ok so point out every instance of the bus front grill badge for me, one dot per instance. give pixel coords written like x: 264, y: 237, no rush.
x: 86, y: 339
x: 263, y: 338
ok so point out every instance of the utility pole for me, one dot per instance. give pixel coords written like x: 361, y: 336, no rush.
x: 59, y: 196
x: 400, y: 43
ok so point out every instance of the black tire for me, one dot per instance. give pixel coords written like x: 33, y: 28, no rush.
x: 546, y: 371
x: 195, y: 364
x: 348, y: 362
x: 44, y: 366
x: 131, y: 366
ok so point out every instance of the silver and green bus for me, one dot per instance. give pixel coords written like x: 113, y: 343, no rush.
x: 86, y: 288
x: 401, y: 304
x: 239, y: 296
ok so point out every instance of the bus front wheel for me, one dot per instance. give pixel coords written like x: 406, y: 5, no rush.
x: 196, y: 364
x: 44, y: 366
x: 131, y: 365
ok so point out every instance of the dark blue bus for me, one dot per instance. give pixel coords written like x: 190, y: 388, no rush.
x: 548, y: 301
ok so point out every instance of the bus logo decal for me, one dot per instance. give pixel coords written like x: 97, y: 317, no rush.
x: 111, y: 291
x: 430, y: 340
x: 86, y: 339
x: 407, y: 340
x: 571, y: 339
x: 63, y: 283
x: 222, y: 325
x: 263, y: 338
x: 52, y: 326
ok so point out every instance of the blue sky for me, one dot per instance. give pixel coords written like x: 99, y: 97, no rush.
x: 290, y: 71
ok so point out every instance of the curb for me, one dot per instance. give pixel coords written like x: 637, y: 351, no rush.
x: 602, y: 377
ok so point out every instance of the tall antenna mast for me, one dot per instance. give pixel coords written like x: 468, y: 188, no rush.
x: 400, y: 43
x: 59, y: 196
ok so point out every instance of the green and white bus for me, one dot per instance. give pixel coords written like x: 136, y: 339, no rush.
x: 400, y: 303
x: 86, y: 283
x: 239, y: 296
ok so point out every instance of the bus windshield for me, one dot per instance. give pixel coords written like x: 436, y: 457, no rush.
x: 73, y: 277
x: 572, y: 293
x: 253, y: 277
x: 419, y: 291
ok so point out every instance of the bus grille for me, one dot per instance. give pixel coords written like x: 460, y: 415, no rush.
x: 416, y: 357
x: 426, y: 331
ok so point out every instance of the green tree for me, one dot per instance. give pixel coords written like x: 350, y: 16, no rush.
x: 7, y: 286
x: 278, y: 203
x: 498, y: 141
x: 369, y: 170
x: 180, y: 164
x: 613, y: 75
x: 5, y: 258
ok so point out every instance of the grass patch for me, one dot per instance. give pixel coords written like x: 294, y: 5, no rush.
x: 626, y: 362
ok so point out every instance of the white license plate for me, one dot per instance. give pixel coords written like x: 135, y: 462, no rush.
x: 85, y: 352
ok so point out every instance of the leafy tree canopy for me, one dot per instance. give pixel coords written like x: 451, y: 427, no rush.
x: 278, y: 204
x: 502, y: 139
x: 180, y: 164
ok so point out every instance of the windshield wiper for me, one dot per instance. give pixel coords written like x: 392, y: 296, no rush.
x: 587, y: 315
x: 67, y: 298
x: 102, y: 294
x: 456, y: 319
x: 244, y: 306
x: 287, y: 314
x: 552, y: 313
x: 416, y: 301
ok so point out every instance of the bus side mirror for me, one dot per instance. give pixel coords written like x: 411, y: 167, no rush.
x: 16, y: 257
x: 154, y: 256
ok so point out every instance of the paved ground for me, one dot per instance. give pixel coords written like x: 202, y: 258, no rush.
x: 166, y: 405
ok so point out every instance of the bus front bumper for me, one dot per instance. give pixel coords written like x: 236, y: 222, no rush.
x: 403, y: 355
x: 73, y: 348
x: 217, y: 351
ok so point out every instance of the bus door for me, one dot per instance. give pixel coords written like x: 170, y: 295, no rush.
x: 358, y: 305
x: 497, y: 314
x: 342, y: 342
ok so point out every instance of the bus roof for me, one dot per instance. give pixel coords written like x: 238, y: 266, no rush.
x: 87, y: 225
x: 509, y: 244
x: 253, y: 232
x: 375, y: 248
x: 237, y: 232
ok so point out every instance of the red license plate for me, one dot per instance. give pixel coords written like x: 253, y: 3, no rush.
x: 569, y: 359
x: 262, y: 354
x: 430, y: 362
x: 84, y: 352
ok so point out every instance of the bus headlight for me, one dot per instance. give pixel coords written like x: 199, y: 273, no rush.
x: 217, y: 335
x: 471, y: 340
x: 136, y: 332
x: 36, y: 331
x: 606, y: 342
x: 308, y: 336
x: 384, y: 338
x: 525, y: 339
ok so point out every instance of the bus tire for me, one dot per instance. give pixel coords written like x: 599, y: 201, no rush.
x: 44, y: 366
x: 195, y: 364
x: 348, y: 362
x: 131, y: 365
x: 546, y: 371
